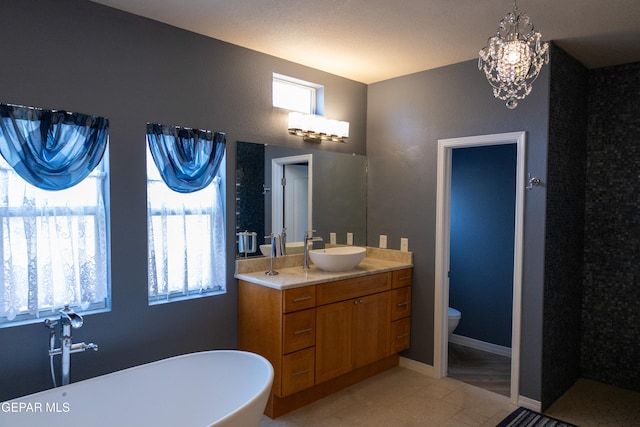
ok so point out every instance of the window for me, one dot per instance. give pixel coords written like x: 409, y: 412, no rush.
x: 54, y: 246
x: 297, y: 95
x: 186, y: 238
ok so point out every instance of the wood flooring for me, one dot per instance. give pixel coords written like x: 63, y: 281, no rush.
x: 479, y: 368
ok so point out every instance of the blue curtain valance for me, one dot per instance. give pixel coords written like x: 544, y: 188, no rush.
x: 51, y: 149
x: 188, y: 159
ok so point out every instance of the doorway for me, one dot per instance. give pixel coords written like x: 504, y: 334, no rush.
x: 296, y: 200
x: 443, y: 246
x: 292, y: 184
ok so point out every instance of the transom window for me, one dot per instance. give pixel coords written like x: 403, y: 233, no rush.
x: 296, y: 95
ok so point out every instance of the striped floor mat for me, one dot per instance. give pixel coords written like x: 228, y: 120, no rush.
x: 522, y: 417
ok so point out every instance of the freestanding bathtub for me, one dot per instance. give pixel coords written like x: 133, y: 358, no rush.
x: 212, y: 388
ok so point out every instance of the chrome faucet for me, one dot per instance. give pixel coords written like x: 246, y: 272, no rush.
x: 308, y: 238
x: 276, y: 251
x: 68, y: 319
x: 284, y: 240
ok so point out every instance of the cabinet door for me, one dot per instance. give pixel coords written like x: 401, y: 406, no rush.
x: 334, y: 328
x: 372, y: 322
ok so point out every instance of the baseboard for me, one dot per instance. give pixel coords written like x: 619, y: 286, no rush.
x: 529, y: 403
x: 480, y: 345
x: 416, y: 366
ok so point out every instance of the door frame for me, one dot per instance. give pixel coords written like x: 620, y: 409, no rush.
x: 442, y: 254
x: 277, y: 193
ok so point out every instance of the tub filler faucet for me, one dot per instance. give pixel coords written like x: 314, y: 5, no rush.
x: 68, y: 320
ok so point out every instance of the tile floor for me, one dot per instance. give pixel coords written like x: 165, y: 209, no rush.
x: 592, y: 404
x: 405, y: 398
x: 401, y: 397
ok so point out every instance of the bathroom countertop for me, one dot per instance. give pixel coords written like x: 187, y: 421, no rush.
x: 296, y: 276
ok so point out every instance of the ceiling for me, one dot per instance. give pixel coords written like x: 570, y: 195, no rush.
x: 374, y: 40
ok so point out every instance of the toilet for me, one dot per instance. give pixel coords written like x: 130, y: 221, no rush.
x: 454, y: 319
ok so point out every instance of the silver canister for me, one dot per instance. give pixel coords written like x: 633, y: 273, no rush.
x: 247, y: 242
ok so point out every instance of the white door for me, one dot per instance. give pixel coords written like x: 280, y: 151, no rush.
x: 291, y: 204
x: 296, y: 201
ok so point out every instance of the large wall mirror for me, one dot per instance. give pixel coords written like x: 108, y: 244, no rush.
x: 324, y: 191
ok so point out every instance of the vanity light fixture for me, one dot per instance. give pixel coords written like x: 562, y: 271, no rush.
x: 514, y: 57
x: 314, y: 128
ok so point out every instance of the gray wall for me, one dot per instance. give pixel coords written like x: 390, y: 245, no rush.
x: 589, y: 194
x: 339, y: 193
x: 405, y: 118
x: 79, y: 56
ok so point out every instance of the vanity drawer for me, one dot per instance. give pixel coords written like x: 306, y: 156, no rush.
x: 298, y: 371
x: 299, y: 299
x: 401, y: 278
x: 400, y: 335
x: 299, y: 330
x: 342, y: 290
x: 401, y: 303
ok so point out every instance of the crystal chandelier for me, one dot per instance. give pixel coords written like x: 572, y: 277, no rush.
x: 513, y: 58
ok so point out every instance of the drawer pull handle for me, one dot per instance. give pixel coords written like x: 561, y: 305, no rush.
x: 404, y: 278
x: 308, y: 297
x: 399, y: 337
x: 302, y: 331
x: 403, y: 304
x: 304, y: 371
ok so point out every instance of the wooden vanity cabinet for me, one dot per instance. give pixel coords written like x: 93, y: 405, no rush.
x: 322, y: 338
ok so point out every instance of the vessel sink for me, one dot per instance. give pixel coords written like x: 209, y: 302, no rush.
x: 292, y: 248
x: 341, y: 258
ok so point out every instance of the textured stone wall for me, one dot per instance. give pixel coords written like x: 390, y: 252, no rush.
x: 249, y: 191
x: 564, y: 241
x: 611, y: 294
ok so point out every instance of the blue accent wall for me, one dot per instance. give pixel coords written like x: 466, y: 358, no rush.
x: 483, y: 181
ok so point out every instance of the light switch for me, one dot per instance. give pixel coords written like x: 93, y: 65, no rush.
x: 383, y: 241
x: 350, y: 239
x: 404, y: 244
x: 332, y: 238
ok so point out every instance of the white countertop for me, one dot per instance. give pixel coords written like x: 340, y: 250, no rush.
x: 295, y: 277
